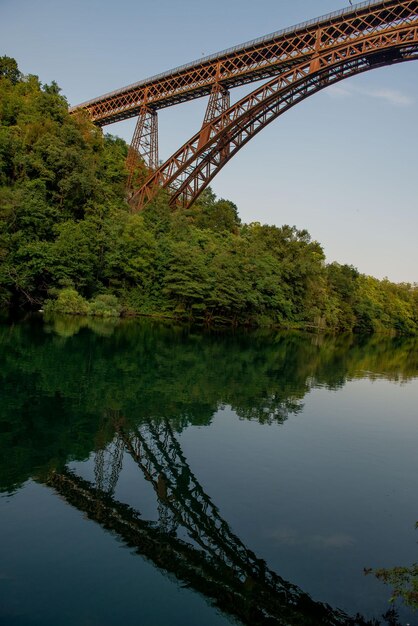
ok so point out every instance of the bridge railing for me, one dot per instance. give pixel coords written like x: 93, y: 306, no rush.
x: 243, y: 46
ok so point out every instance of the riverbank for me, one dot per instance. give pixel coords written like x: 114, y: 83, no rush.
x: 69, y: 302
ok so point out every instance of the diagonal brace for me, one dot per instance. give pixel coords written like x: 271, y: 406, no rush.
x: 144, y: 143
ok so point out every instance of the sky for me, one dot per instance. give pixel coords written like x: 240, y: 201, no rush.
x: 342, y: 164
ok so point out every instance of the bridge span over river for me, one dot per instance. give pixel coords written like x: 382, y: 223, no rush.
x: 294, y: 63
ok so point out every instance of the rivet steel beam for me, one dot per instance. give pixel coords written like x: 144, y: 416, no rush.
x: 195, y: 164
x: 144, y: 143
x: 259, y: 59
x: 219, y: 102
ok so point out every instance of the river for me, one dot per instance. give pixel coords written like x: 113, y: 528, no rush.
x: 159, y: 475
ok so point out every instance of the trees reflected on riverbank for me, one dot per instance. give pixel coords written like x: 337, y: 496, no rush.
x: 62, y: 379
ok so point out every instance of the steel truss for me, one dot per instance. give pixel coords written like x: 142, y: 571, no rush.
x: 144, y: 145
x: 250, y: 62
x: 219, y: 102
x: 302, y: 60
x: 195, y: 164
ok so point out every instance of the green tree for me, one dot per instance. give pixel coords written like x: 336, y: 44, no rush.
x: 9, y: 69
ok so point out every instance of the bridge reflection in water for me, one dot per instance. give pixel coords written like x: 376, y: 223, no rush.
x: 214, y: 561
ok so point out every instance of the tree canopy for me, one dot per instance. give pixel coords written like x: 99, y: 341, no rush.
x: 65, y: 224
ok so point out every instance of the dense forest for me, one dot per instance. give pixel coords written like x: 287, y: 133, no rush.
x: 69, y: 242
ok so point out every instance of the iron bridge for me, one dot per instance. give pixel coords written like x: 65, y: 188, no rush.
x: 295, y: 63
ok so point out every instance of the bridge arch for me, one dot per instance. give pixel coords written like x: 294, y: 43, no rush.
x: 191, y: 168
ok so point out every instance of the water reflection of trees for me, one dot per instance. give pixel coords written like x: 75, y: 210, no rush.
x: 60, y: 382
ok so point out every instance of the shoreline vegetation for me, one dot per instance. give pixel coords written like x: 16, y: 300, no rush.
x: 69, y: 243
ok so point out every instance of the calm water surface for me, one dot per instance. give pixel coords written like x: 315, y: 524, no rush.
x: 152, y: 475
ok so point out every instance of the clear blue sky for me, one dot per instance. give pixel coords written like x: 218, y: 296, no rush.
x: 341, y: 164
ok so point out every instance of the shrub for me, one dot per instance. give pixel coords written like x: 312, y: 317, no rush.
x: 68, y: 301
x: 105, y: 305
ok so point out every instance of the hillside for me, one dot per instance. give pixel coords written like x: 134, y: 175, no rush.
x: 69, y: 242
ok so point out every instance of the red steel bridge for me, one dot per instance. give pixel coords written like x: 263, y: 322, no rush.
x: 294, y: 63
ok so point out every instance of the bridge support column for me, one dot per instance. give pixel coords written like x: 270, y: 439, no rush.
x: 219, y: 102
x: 144, y: 143
x: 315, y: 64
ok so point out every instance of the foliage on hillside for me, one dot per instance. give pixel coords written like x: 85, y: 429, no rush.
x: 65, y: 224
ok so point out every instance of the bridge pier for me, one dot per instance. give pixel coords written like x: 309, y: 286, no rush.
x: 219, y: 102
x: 144, y: 143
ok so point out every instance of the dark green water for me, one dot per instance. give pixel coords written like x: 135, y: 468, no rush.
x: 152, y: 475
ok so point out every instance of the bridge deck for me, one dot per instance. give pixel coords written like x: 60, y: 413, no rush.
x: 248, y: 62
